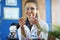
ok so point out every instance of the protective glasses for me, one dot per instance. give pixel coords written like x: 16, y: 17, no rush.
x: 30, y: 8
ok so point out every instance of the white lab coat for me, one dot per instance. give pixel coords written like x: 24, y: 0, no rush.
x: 33, y: 33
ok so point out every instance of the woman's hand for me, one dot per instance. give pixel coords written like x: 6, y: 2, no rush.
x: 34, y: 21
x: 22, y: 21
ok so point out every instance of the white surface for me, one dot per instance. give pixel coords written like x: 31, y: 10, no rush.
x: 11, y: 13
x: 11, y: 2
x: 57, y: 39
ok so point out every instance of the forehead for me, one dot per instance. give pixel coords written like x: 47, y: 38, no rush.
x: 30, y: 4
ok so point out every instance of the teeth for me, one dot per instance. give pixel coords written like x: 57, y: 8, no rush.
x: 31, y: 15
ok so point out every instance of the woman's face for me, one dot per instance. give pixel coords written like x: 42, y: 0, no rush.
x: 30, y: 9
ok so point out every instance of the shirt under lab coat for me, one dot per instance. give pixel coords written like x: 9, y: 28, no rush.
x: 33, y: 33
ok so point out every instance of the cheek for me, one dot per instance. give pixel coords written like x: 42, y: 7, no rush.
x: 34, y: 14
x: 26, y: 13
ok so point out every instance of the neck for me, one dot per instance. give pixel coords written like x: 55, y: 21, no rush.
x: 30, y: 21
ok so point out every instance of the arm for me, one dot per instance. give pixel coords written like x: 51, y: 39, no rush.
x: 42, y: 26
x: 22, y: 23
x: 39, y: 28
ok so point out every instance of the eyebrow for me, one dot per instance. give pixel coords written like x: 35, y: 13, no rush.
x: 30, y: 8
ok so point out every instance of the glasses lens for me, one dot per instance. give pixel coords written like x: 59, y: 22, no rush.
x: 30, y: 8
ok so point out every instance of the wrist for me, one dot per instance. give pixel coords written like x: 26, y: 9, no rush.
x: 39, y: 30
x: 39, y: 27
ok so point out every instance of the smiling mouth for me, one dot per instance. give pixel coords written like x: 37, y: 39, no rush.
x: 31, y: 15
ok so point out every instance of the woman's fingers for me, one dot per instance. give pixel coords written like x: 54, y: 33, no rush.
x: 34, y: 20
x: 21, y: 21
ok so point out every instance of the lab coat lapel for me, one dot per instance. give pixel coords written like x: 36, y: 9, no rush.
x: 27, y: 31
x: 33, y: 28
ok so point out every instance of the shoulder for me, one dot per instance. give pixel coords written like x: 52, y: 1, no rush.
x: 42, y: 22
x: 44, y: 25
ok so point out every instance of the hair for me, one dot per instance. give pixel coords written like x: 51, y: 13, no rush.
x: 33, y: 1
x: 15, y: 24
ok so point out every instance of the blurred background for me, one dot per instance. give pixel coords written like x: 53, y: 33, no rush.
x: 49, y: 11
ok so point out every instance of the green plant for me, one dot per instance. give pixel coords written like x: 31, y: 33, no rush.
x: 56, y: 31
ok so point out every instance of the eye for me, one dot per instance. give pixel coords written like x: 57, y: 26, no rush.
x: 27, y: 8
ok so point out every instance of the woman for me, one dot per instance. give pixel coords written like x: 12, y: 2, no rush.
x: 31, y: 27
